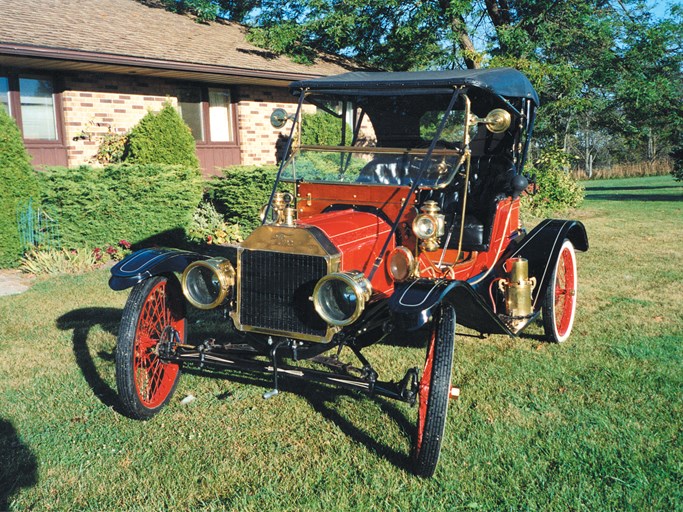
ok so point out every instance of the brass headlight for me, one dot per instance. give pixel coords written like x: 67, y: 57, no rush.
x: 340, y: 298
x: 425, y: 226
x: 207, y: 283
x: 429, y: 225
x: 402, y: 264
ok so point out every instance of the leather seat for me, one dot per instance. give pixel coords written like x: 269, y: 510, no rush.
x: 490, y: 182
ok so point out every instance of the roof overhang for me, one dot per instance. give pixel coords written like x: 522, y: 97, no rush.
x: 60, y: 59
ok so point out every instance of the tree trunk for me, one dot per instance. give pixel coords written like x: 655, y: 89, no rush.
x: 466, y: 45
x: 470, y: 54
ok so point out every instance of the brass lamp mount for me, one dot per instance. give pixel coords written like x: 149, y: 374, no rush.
x: 496, y: 121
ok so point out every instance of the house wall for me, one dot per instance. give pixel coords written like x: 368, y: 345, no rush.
x: 258, y: 138
x: 95, y: 105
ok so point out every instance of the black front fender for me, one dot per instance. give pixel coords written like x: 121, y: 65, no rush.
x: 541, y: 247
x: 146, y: 263
x: 414, y: 302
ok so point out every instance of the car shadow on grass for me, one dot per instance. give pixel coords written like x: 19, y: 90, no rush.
x: 82, y: 321
x: 323, y: 400
x: 18, y: 464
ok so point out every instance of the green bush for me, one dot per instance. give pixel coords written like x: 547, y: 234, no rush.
x: 557, y: 190
x: 161, y: 138
x: 209, y: 226
x: 17, y: 183
x: 112, y: 148
x: 58, y: 261
x: 99, y: 206
x: 241, y: 192
x: 322, y: 129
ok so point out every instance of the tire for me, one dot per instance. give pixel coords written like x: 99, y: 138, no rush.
x: 559, y: 304
x: 145, y: 383
x: 434, y: 392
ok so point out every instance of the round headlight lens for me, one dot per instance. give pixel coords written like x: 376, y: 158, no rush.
x: 340, y: 298
x: 401, y: 264
x: 425, y: 226
x: 206, y: 283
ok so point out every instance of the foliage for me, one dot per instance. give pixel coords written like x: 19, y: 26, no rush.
x: 210, y: 227
x: 241, y: 192
x: 313, y: 166
x: 112, y: 252
x: 17, y: 184
x: 112, y: 148
x: 322, y: 129
x: 121, y: 202
x: 58, y: 261
x: 161, y: 138
x: 557, y: 190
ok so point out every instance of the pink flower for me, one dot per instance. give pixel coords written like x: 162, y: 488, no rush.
x: 125, y: 244
x: 111, y: 250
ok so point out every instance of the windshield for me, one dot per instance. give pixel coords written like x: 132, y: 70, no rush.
x: 380, y: 140
x: 393, y: 167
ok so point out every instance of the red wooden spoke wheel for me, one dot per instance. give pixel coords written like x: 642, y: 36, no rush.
x: 559, y: 306
x: 434, y: 392
x: 153, y: 313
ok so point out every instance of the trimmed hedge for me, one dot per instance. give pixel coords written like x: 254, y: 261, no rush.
x: 322, y: 129
x: 161, y: 138
x: 17, y: 184
x: 241, y: 192
x: 150, y: 203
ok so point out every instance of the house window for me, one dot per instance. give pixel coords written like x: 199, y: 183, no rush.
x: 219, y: 115
x: 32, y: 102
x: 37, y: 109
x: 190, y: 106
x: 4, y: 93
x: 208, y: 112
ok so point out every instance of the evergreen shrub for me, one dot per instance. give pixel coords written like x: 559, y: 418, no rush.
x: 322, y: 129
x: 136, y: 203
x: 17, y: 184
x: 557, y: 189
x: 161, y: 138
x: 240, y: 193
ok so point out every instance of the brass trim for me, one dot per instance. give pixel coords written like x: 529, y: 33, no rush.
x: 304, y: 241
x: 496, y: 121
x: 410, y: 259
x: 225, y: 273
x: 361, y: 287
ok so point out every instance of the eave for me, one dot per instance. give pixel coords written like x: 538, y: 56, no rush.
x: 69, y: 60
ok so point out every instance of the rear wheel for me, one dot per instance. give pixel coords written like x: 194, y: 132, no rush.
x: 154, y: 313
x: 434, y: 392
x: 559, y: 305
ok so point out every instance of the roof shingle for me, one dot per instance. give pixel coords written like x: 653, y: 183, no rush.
x: 133, y: 29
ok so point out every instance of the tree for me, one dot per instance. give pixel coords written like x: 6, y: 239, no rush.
x: 18, y: 183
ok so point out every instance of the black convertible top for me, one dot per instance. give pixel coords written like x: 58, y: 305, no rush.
x: 506, y: 82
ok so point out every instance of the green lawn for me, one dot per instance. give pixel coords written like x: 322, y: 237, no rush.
x: 593, y: 424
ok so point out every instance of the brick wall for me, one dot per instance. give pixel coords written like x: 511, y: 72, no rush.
x: 257, y: 136
x: 97, y: 104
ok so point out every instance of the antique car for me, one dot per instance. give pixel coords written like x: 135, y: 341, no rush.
x: 410, y: 223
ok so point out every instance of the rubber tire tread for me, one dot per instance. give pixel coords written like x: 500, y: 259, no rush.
x: 132, y: 406
x: 439, y: 393
x: 548, y: 310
